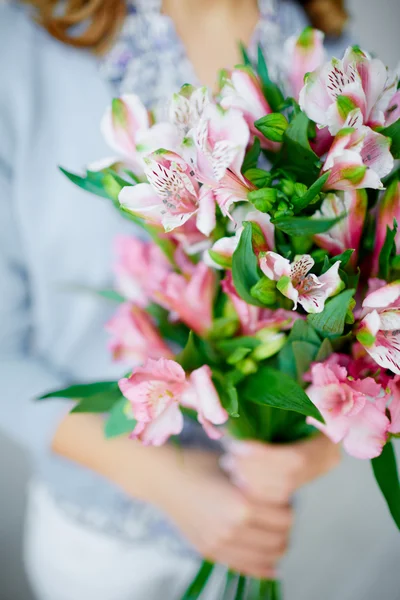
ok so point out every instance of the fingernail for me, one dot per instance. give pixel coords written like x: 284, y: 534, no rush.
x: 239, y: 448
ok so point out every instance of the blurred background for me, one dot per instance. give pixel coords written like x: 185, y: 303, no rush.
x: 375, y: 27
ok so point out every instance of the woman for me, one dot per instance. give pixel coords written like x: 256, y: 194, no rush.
x: 96, y: 526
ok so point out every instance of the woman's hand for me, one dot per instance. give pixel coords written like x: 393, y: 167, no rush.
x: 273, y: 472
x: 224, y: 525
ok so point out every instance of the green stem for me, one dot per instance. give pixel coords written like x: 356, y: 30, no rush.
x: 198, y: 584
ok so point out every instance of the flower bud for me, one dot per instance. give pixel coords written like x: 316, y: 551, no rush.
x: 272, y: 126
x: 263, y: 199
x: 259, y: 177
x: 264, y: 291
x: 273, y: 343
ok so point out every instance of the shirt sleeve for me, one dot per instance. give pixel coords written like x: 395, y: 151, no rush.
x: 23, y: 375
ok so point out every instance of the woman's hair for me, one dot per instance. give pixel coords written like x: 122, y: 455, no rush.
x: 101, y: 19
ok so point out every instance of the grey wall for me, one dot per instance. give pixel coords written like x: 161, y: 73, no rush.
x: 376, y: 28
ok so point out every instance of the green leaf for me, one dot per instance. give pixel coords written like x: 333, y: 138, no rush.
x: 304, y: 354
x: 224, y: 327
x: 192, y: 356
x: 82, y: 390
x: 393, y: 131
x: 111, y: 295
x: 244, y: 54
x: 388, y: 249
x: 271, y: 91
x: 304, y: 332
x: 119, y: 423
x: 331, y: 321
x: 386, y: 475
x: 252, y: 155
x: 227, y: 393
x: 325, y: 351
x: 199, y: 582
x: 268, y: 387
x: 93, y: 182
x: 238, y: 355
x: 229, y: 346
x: 301, y: 202
x: 174, y: 332
x: 305, y: 225
x: 297, y: 156
x: 98, y: 403
x: 245, y: 271
x: 344, y: 258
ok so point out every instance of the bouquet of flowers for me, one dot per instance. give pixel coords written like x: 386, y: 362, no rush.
x: 265, y: 301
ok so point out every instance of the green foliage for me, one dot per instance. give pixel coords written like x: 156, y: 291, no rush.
x: 111, y: 295
x: 301, y: 349
x: 245, y: 271
x: 393, y: 132
x: 196, y: 587
x: 388, y: 251
x: 302, y: 200
x: 305, y: 225
x: 227, y: 393
x: 173, y: 332
x: 92, y: 182
x: 268, y: 387
x: 98, y: 403
x: 271, y: 91
x: 83, y: 390
x: 296, y: 156
x: 386, y: 475
x: 119, y: 422
x: 252, y: 156
x: 196, y: 353
x: 331, y: 321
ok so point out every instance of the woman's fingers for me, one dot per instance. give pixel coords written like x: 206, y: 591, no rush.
x: 273, y: 472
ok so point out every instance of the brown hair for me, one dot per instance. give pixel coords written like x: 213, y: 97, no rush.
x: 103, y: 18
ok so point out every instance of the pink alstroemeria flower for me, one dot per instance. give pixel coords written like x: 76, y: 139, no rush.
x: 134, y: 337
x: 187, y: 107
x: 388, y: 210
x: 354, y: 91
x: 190, y: 297
x: 128, y: 130
x: 353, y: 409
x: 158, y: 388
x: 358, y: 158
x: 139, y: 269
x: 296, y: 283
x: 172, y: 195
x: 347, y: 232
x: 242, y: 91
x: 202, y: 397
x: 253, y: 318
x: 392, y: 113
x: 379, y: 329
x: 221, y: 139
x: 394, y: 406
x: 303, y: 54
